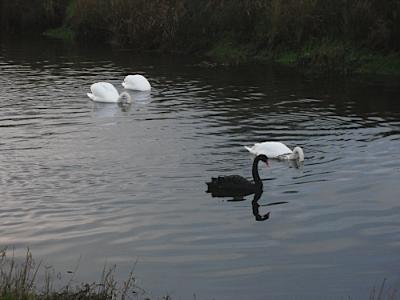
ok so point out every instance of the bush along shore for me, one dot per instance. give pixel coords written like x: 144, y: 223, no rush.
x: 19, y: 280
x: 343, y: 36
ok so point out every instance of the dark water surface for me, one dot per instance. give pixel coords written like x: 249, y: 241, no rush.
x: 96, y: 184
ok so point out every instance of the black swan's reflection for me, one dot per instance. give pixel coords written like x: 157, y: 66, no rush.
x: 256, y: 207
x: 237, y: 186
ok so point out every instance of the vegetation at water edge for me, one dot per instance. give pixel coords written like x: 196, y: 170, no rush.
x: 19, y: 280
x: 342, y: 35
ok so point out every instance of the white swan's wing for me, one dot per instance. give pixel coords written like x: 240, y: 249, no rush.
x: 250, y: 149
x: 136, y: 82
x: 91, y: 96
x: 270, y: 149
x: 103, y: 92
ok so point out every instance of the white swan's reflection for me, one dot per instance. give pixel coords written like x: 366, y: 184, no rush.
x: 294, y: 163
x: 141, y: 97
x: 108, y: 110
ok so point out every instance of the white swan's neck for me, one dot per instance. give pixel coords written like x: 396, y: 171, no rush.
x: 124, y: 98
x: 297, y: 154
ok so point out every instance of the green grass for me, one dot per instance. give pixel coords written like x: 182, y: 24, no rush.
x: 287, y: 58
x: 344, y: 37
x: 379, y: 64
x: 61, y: 33
x: 227, y: 52
x: 70, y: 10
x: 324, y: 57
x: 336, y: 57
x: 64, y: 32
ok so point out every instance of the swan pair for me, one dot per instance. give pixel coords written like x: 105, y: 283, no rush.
x: 107, y: 93
x: 237, y: 186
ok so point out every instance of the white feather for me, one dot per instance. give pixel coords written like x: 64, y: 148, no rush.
x: 276, y: 150
x: 136, y: 82
x: 103, y: 92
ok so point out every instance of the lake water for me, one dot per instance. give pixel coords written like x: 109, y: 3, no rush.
x: 86, y: 184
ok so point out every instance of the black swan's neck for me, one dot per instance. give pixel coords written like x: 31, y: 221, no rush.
x: 256, y: 176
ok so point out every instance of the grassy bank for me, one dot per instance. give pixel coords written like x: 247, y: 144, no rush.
x: 340, y: 36
x: 19, y: 280
x: 338, y: 58
x: 319, y: 57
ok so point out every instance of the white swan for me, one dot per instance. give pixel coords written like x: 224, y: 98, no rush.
x: 107, y: 93
x: 137, y: 83
x: 276, y: 150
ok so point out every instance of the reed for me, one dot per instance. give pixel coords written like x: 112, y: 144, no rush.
x: 19, y: 281
x: 144, y: 24
x: 383, y: 293
x: 271, y: 24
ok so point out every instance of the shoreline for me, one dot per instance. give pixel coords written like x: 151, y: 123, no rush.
x: 319, y: 59
x: 347, y: 38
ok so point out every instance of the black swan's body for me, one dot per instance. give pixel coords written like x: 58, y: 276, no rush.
x: 237, y: 186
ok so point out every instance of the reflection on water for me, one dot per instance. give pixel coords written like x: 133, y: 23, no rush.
x: 256, y: 208
x: 119, y: 185
x: 237, y: 187
x: 104, y: 110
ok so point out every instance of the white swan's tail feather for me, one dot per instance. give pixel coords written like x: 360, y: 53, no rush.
x: 136, y: 82
x: 91, y: 96
x: 249, y: 149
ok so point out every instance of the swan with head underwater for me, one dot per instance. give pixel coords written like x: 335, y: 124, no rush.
x: 137, y: 83
x: 277, y: 150
x: 106, y: 93
x: 237, y: 186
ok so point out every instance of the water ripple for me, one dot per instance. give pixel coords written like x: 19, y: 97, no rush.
x: 79, y: 178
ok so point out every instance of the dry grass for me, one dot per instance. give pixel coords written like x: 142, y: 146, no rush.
x: 383, y: 293
x: 19, y: 281
x: 145, y: 24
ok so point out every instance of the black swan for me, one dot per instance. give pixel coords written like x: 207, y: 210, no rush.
x: 237, y: 186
